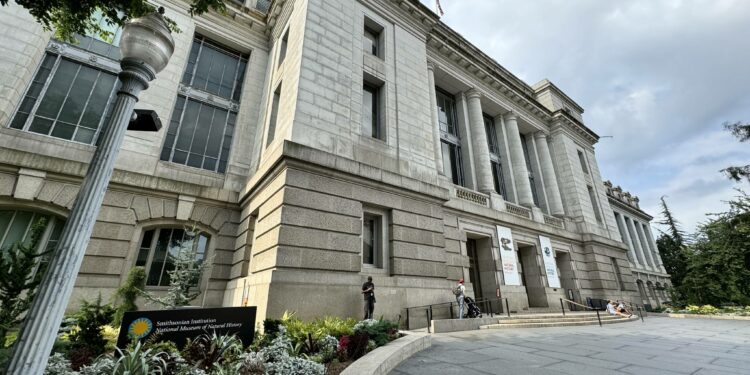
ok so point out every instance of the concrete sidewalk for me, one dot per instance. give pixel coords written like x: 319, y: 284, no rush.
x: 658, y: 346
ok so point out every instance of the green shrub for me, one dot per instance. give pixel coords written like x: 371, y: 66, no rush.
x: 380, y: 331
x: 127, y: 294
x: 88, y: 341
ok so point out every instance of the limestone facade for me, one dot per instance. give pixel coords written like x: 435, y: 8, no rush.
x: 303, y: 181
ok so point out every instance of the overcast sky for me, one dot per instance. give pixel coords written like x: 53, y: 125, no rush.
x: 659, y: 76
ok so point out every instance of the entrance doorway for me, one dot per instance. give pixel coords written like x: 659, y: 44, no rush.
x: 531, y: 273
x: 482, y: 268
x: 567, y: 276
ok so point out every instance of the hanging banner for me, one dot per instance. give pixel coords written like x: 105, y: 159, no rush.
x: 550, y: 266
x: 508, y: 256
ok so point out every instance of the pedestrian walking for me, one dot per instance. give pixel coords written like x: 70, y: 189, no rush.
x: 459, y: 291
x: 368, y: 291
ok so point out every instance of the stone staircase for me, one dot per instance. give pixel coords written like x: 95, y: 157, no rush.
x: 555, y: 320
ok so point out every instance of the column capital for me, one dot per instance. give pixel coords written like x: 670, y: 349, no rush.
x: 540, y: 135
x: 430, y: 66
x: 511, y: 116
x: 473, y: 93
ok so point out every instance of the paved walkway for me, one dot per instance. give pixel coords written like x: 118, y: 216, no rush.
x: 658, y: 346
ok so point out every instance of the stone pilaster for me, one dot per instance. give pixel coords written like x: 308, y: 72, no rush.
x: 517, y: 160
x: 434, y: 118
x: 479, y: 143
x: 554, y: 200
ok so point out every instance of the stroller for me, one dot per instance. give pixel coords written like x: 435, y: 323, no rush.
x: 472, y: 310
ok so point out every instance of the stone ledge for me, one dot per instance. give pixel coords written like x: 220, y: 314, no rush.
x: 384, y: 359
x: 696, y: 316
x: 456, y: 325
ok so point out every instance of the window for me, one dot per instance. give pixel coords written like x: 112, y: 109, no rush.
x: 205, y: 113
x: 374, y: 239
x: 371, y: 39
x: 371, y: 111
x: 71, y: 92
x: 527, y: 156
x: 274, y: 115
x: 495, y: 159
x: 582, y: 159
x: 283, y: 46
x: 449, y: 137
x: 618, y: 275
x: 16, y: 225
x: 159, y: 247
x: 594, y: 204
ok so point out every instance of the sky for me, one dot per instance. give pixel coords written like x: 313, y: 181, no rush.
x: 659, y: 77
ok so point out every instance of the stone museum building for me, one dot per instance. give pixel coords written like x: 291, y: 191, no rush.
x: 314, y: 143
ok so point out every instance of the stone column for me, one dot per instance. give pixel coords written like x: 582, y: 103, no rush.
x: 656, y: 248
x: 651, y: 253
x: 628, y: 241
x: 645, y: 244
x: 434, y: 118
x: 636, y: 242
x: 480, y: 147
x: 554, y: 200
x: 518, y: 161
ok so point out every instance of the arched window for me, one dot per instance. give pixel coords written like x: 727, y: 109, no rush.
x: 160, y: 246
x: 16, y: 225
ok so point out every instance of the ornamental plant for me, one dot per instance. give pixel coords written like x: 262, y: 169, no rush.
x: 127, y: 294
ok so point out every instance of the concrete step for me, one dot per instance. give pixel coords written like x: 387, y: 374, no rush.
x: 566, y: 319
x: 557, y: 323
x: 550, y: 316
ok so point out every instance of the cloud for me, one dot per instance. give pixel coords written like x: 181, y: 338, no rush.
x: 659, y: 76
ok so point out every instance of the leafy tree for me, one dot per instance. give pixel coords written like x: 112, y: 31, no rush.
x: 127, y: 294
x: 185, y: 276
x: 20, y: 274
x: 70, y: 17
x: 742, y: 132
x: 719, y: 269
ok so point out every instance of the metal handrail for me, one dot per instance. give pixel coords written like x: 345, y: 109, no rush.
x: 598, y: 317
x: 480, y: 301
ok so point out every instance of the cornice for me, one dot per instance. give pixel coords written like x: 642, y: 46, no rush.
x: 547, y: 84
x: 572, y: 123
x: 625, y: 207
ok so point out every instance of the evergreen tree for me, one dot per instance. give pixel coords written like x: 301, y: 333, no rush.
x: 185, y: 276
x: 719, y: 268
x: 127, y: 294
x: 742, y: 132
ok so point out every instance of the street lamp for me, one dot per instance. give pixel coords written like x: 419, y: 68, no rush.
x: 146, y: 47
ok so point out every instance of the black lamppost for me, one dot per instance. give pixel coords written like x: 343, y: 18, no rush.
x: 146, y: 47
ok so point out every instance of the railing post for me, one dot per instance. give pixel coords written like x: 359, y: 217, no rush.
x: 562, y: 305
x: 427, y: 312
x: 407, y: 318
x: 639, y: 313
x: 598, y: 318
x: 507, y: 307
x: 492, y: 313
x: 450, y: 306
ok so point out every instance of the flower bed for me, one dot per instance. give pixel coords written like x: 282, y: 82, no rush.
x: 707, y: 310
x: 288, y: 346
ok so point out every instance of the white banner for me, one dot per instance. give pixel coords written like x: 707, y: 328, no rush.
x: 508, y: 256
x: 550, y: 266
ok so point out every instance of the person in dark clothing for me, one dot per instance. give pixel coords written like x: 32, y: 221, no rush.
x: 368, y: 291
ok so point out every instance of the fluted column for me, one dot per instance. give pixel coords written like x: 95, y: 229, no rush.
x: 479, y: 144
x: 518, y: 161
x: 650, y: 236
x: 554, y: 200
x: 636, y: 242
x: 434, y: 118
x: 646, y: 246
x: 654, y: 253
x: 628, y: 241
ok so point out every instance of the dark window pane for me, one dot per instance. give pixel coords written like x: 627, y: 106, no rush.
x: 215, y: 135
x: 84, y: 135
x: 202, y: 128
x: 239, y: 80
x: 189, y: 121
x: 274, y: 113
x: 368, y: 238
x: 58, y: 89
x: 100, y: 96
x: 40, y: 125
x: 79, y: 95
x: 194, y: 50
x: 370, y: 42
x: 63, y: 130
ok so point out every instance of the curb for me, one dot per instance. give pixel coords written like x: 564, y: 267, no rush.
x: 384, y: 359
x: 696, y: 316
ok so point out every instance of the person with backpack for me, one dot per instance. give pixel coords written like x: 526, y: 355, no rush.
x: 368, y: 290
x: 458, y: 291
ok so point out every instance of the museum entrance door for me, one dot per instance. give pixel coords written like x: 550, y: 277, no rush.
x: 567, y: 276
x: 482, y: 268
x: 531, y: 273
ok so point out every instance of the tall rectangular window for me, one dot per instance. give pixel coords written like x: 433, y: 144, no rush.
x: 374, y: 239
x: 594, y: 204
x: 272, y: 118
x: 532, y: 181
x: 205, y: 114
x: 372, y: 38
x: 282, y: 48
x: 582, y: 160
x: 495, y: 159
x: 371, y: 110
x: 449, y: 137
x: 73, y: 90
